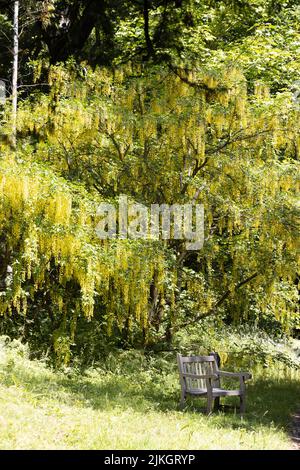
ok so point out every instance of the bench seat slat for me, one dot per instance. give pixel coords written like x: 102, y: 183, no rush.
x: 216, y: 392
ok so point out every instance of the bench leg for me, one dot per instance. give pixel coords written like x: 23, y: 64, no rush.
x: 182, y: 401
x: 242, y: 404
x: 210, y: 403
x: 217, y: 403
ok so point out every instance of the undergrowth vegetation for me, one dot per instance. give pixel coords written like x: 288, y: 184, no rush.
x: 130, y: 400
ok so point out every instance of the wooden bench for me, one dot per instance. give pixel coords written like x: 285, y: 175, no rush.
x: 200, y: 377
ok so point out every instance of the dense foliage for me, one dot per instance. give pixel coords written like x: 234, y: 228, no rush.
x: 169, y: 103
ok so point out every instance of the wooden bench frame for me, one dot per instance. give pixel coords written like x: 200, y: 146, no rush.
x: 200, y: 377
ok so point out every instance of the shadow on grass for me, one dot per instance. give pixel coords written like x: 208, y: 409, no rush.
x: 269, y: 400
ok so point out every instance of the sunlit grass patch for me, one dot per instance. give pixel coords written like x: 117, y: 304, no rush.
x: 44, y: 409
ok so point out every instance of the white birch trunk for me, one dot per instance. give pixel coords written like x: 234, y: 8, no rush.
x: 15, y: 74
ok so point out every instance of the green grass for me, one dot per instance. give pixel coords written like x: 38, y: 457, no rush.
x: 43, y: 409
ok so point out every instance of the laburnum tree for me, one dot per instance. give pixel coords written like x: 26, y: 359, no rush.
x: 195, y: 106
x: 161, y: 135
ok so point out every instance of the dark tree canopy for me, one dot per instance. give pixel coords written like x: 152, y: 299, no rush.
x: 107, y: 31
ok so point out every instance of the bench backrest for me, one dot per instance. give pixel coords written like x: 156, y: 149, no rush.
x: 200, y: 365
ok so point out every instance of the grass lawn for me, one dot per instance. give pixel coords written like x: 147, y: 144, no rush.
x: 42, y: 409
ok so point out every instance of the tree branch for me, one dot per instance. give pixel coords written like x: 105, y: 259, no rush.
x: 218, y: 303
x: 150, y: 49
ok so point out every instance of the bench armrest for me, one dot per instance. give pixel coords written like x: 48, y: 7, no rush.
x: 244, y: 375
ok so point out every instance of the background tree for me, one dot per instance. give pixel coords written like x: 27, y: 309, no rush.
x: 186, y: 110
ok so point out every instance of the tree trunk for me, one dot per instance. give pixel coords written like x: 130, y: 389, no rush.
x: 149, y: 45
x: 64, y: 43
x: 15, y: 75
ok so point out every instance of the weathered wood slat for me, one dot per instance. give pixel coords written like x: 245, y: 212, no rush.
x: 199, y: 376
x: 193, y: 359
